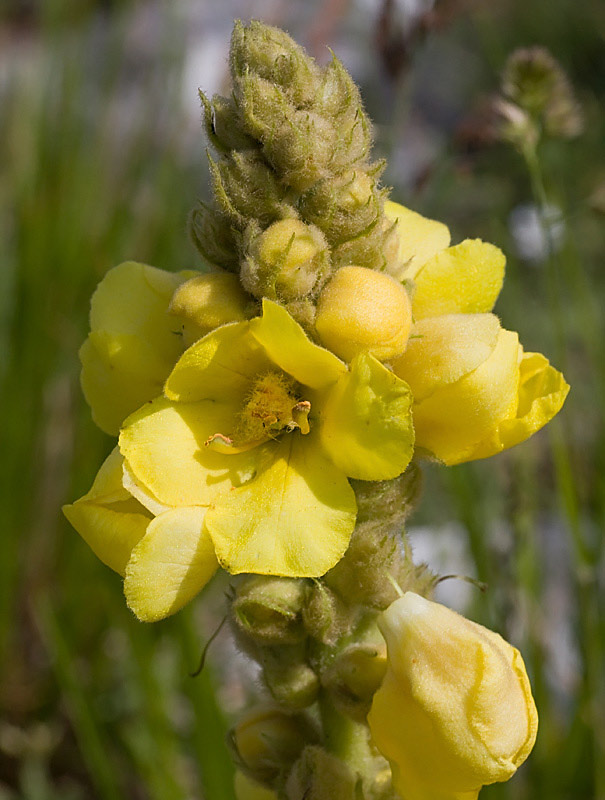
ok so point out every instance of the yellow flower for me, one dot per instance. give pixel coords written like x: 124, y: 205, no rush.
x: 249, y: 448
x: 132, y: 345
x: 455, y: 710
x: 476, y: 392
x: 127, y: 537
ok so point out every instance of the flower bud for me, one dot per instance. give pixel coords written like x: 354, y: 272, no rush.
x: 455, y: 710
x: 325, y: 616
x: 207, y: 301
x: 355, y: 674
x: 267, y: 741
x: 343, y: 207
x: 291, y: 681
x: 319, y: 775
x: 273, y: 55
x: 214, y: 237
x: 364, y: 311
x: 269, y: 609
x: 288, y: 261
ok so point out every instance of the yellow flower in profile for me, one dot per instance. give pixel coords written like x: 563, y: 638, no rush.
x: 249, y: 449
x: 476, y: 392
x: 455, y: 710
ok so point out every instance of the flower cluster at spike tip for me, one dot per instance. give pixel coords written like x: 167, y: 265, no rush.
x: 336, y: 340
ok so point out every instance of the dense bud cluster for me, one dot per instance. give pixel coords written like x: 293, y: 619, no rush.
x: 295, y: 193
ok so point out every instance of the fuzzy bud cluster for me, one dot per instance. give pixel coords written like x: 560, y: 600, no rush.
x: 296, y: 196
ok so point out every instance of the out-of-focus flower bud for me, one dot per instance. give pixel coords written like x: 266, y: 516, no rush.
x: 455, y: 710
x: 267, y: 741
x: 513, y: 124
x: 207, y: 301
x: 319, y: 775
x: 269, y: 609
x: 534, y: 80
x: 288, y: 260
x: 364, y: 311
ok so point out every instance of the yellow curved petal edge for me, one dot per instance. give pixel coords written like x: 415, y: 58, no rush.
x: 170, y: 565
x: 464, y: 279
x: 366, y: 422
x: 542, y: 392
x: 420, y: 238
x: 110, y: 521
x: 455, y: 418
x: 294, y: 519
x: 289, y: 347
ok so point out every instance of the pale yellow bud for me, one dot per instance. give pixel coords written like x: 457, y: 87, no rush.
x: 288, y: 261
x: 364, y: 311
x: 455, y: 710
x: 208, y: 301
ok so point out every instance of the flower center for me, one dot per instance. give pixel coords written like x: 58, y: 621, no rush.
x: 273, y: 405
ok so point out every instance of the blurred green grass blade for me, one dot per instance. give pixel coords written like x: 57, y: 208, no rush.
x: 209, y: 737
x: 93, y: 748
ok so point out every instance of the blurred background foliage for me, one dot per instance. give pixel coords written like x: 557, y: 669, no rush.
x: 102, y: 156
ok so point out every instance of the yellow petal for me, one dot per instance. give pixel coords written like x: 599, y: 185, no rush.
x: 164, y: 445
x: 444, y: 349
x: 452, y: 421
x: 119, y: 373
x: 133, y: 343
x: 288, y: 346
x: 419, y: 238
x: 294, y: 519
x: 133, y: 299
x: 542, y: 392
x: 366, y: 422
x: 455, y: 710
x: 464, y: 279
x: 217, y: 367
x: 170, y: 565
x: 109, y: 520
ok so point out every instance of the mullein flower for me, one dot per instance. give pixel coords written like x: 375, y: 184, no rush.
x: 476, y: 392
x: 250, y: 447
x: 455, y: 710
x: 132, y: 345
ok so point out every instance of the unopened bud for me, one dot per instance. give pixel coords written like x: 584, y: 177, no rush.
x: 208, y: 301
x: 291, y: 681
x: 355, y: 674
x: 248, y: 789
x: 267, y: 741
x: 344, y: 207
x: 288, y: 260
x: 364, y: 311
x: 324, y: 615
x: 223, y: 125
x: 214, y: 237
x: 276, y: 57
x: 319, y: 775
x: 269, y: 609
